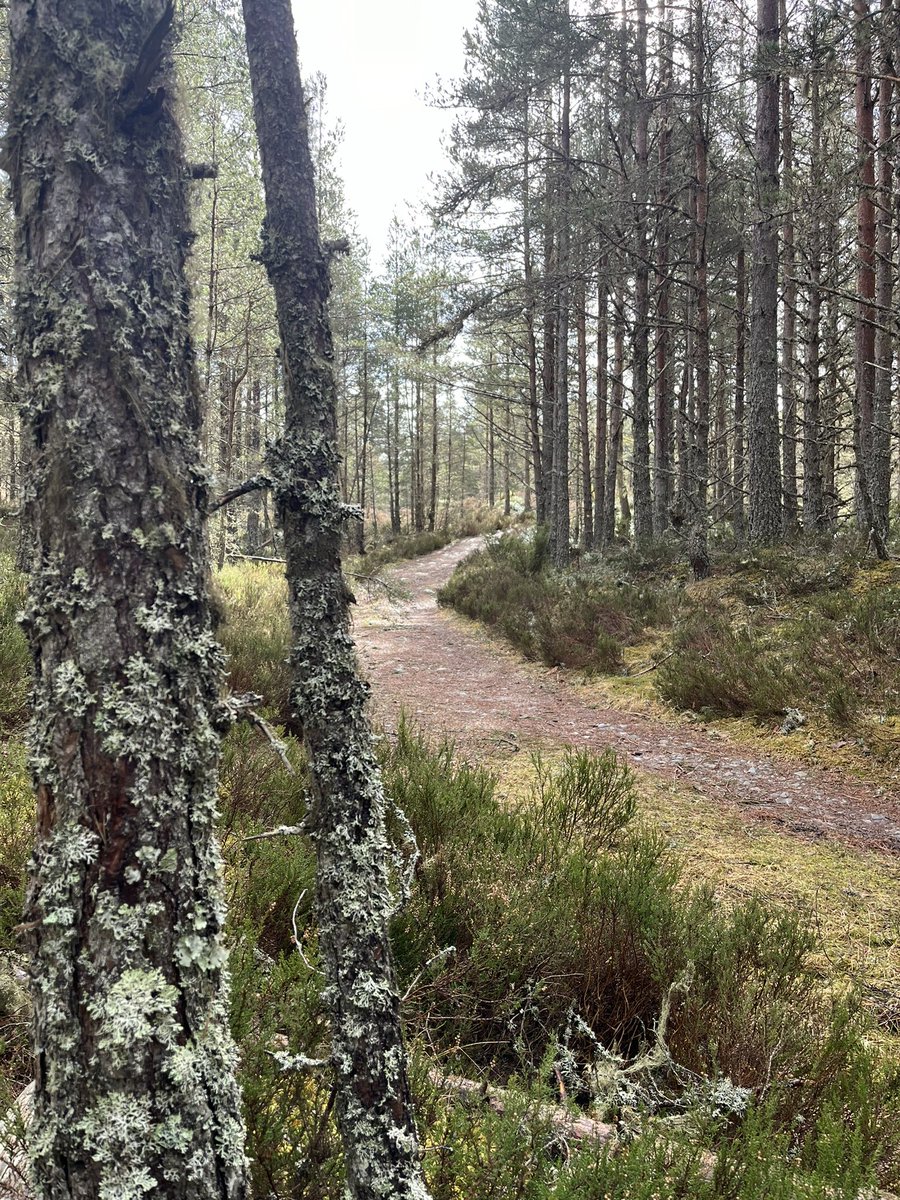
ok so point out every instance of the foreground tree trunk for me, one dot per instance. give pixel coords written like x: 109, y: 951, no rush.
x: 135, y: 1090
x: 347, y: 816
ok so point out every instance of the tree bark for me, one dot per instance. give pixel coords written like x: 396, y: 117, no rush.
x: 559, y: 526
x: 616, y: 417
x: 663, y: 408
x: 813, y: 490
x: 864, y: 345
x: 354, y: 901
x: 762, y: 415
x: 789, y: 300
x: 884, y: 280
x: 738, y: 511
x: 587, y: 500
x: 643, y: 500
x: 698, y: 555
x: 135, y: 1089
x: 600, y: 416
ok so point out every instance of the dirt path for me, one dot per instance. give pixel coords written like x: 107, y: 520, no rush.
x: 450, y: 678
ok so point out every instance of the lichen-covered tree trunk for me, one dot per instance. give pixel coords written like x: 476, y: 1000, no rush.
x: 354, y: 901
x: 134, y: 1064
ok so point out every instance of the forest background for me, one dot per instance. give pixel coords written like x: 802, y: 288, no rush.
x: 653, y: 307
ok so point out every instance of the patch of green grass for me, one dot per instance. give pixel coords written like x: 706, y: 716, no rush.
x: 15, y: 665
x: 255, y: 632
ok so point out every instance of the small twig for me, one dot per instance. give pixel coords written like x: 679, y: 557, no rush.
x: 241, y: 708
x: 432, y: 962
x: 653, y: 666
x: 306, y: 961
x: 392, y: 591
x: 256, y: 484
x: 411, y: 846
x: 255, y: 558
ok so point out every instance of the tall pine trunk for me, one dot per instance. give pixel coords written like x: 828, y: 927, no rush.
x: 347, y: 814
x: 864, y: 343
x: 762, y: 414
x: 643, y: 500
x: 135, y: 1089
x: 813, y: 489
x: 663, y: 390
x: 789, y: 299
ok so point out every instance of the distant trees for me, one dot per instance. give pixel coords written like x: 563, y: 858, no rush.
x: 678, y: 357
x: 715, y: 246
x: 135, y: 1067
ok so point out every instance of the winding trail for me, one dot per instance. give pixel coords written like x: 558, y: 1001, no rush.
x: 451, y: 678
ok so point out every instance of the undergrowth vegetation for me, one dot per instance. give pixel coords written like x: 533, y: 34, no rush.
x: 574, y: 619
x: 556, y: 946
x: 13, y: 648
x: 771, y: 632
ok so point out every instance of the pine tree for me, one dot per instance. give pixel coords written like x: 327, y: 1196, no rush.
x: 135, y: 1089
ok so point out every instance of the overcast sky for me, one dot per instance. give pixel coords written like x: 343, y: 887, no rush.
x: 379, y: 56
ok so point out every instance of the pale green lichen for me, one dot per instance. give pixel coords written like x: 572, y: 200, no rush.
x: 140, y: 1006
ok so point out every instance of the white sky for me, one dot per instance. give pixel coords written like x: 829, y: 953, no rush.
x: 379, y: 56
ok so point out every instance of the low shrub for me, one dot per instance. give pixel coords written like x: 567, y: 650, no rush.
x: 568, y: 905
x: 836, y: 651
x: 570, y: 922
x: 16, y: 829
x: 574, y: 619
x: 722, y: 670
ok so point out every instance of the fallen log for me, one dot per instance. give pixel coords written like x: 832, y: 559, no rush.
x: 569, y: 1126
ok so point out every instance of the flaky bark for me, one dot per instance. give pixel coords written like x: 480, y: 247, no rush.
x: 698, y: 555
x: 884, y: 279
x: 559, y: 499
x: 663, y: 390
x: 813, y: 491
x: 354, y: 902
x: 135, y: 1089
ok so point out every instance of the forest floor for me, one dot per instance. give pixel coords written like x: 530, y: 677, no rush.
x: 452, y: 678
x: 746, y: 819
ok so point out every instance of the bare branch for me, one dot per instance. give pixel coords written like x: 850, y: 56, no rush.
x: 256, y: 484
